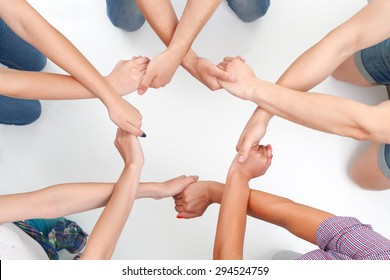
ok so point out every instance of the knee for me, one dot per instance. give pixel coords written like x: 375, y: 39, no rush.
x: 129, y: 22
x: 32, y: 113
x: 367, y: 181
x: 29, y: 112
x: 250, y: 13
x: 39, y: 63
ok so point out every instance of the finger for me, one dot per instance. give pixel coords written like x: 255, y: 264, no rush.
x: 228, y: 59
x: 221, y: 67
x: 244, y: 151
x: 133, y: 130
x: 185, y: 215
x: 142, y: 60
x: 241, y: 58
x: 269, y: 150
x: 222, y: 75
x: 145, y: 83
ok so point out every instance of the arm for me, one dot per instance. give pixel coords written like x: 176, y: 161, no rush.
x: 66, y: 199
x: 366, y: 28
x: 318, y: 111
x: 105, y: 234
x: 30, y: 26
x: 229, y: 240
x: 178, y: 37
x: 300, y: 220
x: 47, y: 86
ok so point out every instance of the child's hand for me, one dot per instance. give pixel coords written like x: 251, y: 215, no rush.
x: 257, y: 164
x: 129, y: 148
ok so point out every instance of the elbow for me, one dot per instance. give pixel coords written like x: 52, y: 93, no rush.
x: 347, y: 43
x: 360, y: 134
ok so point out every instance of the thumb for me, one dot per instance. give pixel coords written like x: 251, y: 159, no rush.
x: 185, y: 215
x: 145, y: 83
x: 222, y: 75
x: 244, y: 152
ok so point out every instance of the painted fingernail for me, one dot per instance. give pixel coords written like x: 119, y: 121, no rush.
x: 143, y: 135
x: 179, y: 216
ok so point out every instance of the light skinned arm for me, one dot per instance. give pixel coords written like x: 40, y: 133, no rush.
x: 66, y: 199
x: 178, y: 37
x: 106, y: 233
x: 229, y: 239
x: 317, y: 111
x: 124, y: 78
x: 34, y: 29
x: 366, y: 28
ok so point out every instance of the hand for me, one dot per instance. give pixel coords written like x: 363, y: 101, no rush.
x: 174, y: 186
x: 125, y: 116
x: 196, y: 197
x: 127, y: 74
x: 245, y: 80
x: 256, y: 165
x: 159, y: 71
x: 253, y: 132
x: 208, y: 73
x: 129, y: 148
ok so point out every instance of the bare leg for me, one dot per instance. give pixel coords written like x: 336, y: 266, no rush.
x: 348, y: 72
x: 365, y: 171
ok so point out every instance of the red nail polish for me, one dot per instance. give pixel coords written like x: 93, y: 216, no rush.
x: 179, y: 216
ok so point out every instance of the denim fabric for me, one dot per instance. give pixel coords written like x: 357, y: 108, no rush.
x: 18, y: 54
x: 374, y: 63
x: 384, y: 159
x: 15, y: 111
x: 249, y: 10
x: 126, y: 15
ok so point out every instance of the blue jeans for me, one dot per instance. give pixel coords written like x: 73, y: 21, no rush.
x: 126, y: 15
x: 374, y: 63
x: 18, y: 54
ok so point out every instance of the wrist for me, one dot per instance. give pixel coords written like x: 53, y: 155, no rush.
x: 189, y: 60
x: 216, y: 192
x: 263, y: 116
x: 238, y: 175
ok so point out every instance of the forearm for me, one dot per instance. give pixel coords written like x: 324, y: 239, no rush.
x: 322, y: 112
x: 300, y: 220
x: 366, y: 28
x: 165, y: 23
x: 62, y: 200
x: 195, y: 16
x: 106, y: 232
x: 229, y: 240
x: 30, y: 26
x: 40, y: 85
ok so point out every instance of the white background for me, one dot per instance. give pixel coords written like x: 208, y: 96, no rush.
x: 193, y: 131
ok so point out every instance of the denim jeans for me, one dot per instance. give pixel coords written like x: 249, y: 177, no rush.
x: 18, y: 54
x: 126, y: 15
x: 374, y: 63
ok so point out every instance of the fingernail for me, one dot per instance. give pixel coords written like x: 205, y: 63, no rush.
x: 179, y: 216
x: 241, y: 159
x: 143, y: 135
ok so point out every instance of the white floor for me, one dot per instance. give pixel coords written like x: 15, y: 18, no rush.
x: 194, y: 131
